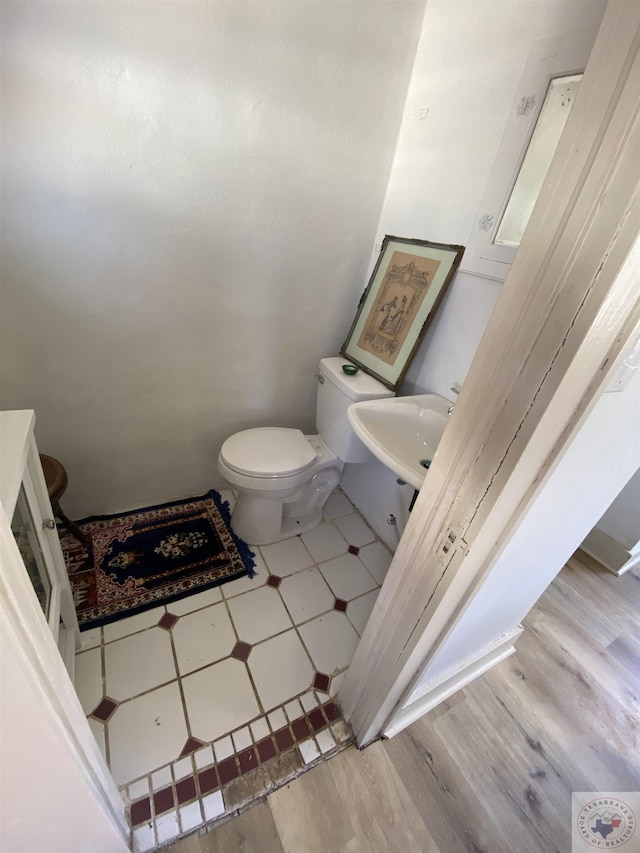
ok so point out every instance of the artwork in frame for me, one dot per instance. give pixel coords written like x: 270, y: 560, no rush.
x: 408, y: 283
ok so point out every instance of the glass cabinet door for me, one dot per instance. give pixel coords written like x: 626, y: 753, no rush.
x: 24, y: 530
x: 38, y: 562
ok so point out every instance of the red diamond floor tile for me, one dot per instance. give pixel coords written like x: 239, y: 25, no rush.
x: 241, y: 651
x: 167, y: 621
x: 321, y: 682
x: 190, y: 746
x: 105, y: 709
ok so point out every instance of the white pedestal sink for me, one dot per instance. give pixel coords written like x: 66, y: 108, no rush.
x: 402, y: 432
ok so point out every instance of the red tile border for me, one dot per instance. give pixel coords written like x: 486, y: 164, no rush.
x: 163, y: 800
x: 228, y: 770
x: 284, y: 739
x: 248, y: 760
x: 332, y: 712
x: 192, y: 788
x: 266, y: 749
x: 208, y: 780
x: 140, y: 812
x: 317, y: 720
x: 300, y: 728
x: 186, y: 790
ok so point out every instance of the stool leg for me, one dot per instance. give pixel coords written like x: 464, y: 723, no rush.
x: 73, y: 527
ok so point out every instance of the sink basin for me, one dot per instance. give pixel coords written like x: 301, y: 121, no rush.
x: 402, y: 432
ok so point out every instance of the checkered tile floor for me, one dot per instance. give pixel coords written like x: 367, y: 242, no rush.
x: 206, y: 703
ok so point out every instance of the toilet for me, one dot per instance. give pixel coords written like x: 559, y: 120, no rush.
x: 284, y: 477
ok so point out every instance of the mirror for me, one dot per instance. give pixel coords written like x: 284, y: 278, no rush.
x: 544, y: 96
x: 555, y: 110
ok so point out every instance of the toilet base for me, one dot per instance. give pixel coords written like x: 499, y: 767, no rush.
x: 263, y: 530
x: 260, y: 518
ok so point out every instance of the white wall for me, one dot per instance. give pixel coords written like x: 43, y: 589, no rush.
x: 622, y: 520
x: 190, y: 195
x: 469, y: 61
x: 599, y: 461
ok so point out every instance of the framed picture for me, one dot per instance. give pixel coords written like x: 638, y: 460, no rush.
x: 407, y: 285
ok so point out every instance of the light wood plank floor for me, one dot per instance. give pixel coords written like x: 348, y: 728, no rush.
x: 493, y: 768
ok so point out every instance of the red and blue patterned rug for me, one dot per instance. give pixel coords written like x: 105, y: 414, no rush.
x: 141, y: 559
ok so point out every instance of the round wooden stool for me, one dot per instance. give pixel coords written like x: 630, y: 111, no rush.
x: 57, y: 481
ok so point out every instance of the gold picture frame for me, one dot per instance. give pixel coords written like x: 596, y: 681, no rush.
x: 406, y: 287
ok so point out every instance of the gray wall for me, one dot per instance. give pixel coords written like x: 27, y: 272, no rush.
x: 190, y: 196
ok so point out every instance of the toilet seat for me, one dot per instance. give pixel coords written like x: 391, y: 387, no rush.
x: 269, y: 452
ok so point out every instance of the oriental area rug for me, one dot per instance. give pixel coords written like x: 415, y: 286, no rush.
x: 141, y: 559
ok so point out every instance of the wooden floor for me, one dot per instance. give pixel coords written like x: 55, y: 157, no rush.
x: 492, y: 769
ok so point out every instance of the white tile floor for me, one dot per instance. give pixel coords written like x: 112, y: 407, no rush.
x: 231, y: 663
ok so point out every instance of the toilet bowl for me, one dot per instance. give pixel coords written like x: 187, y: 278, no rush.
x: 283, y: 477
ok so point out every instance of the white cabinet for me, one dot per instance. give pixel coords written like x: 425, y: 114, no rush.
x: 24, y: 498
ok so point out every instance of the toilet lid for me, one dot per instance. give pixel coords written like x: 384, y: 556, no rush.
x: 268, y: 452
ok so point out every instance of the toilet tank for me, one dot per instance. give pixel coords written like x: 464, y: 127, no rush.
x: 336, y: 392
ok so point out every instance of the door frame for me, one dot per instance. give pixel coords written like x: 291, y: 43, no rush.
x: 568, y: 312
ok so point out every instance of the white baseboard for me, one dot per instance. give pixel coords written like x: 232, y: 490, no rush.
x: 502, y: 647
x: 610, y: 553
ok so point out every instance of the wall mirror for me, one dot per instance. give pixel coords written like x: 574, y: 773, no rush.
x: 537, y: 159
x: 545, y: 95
